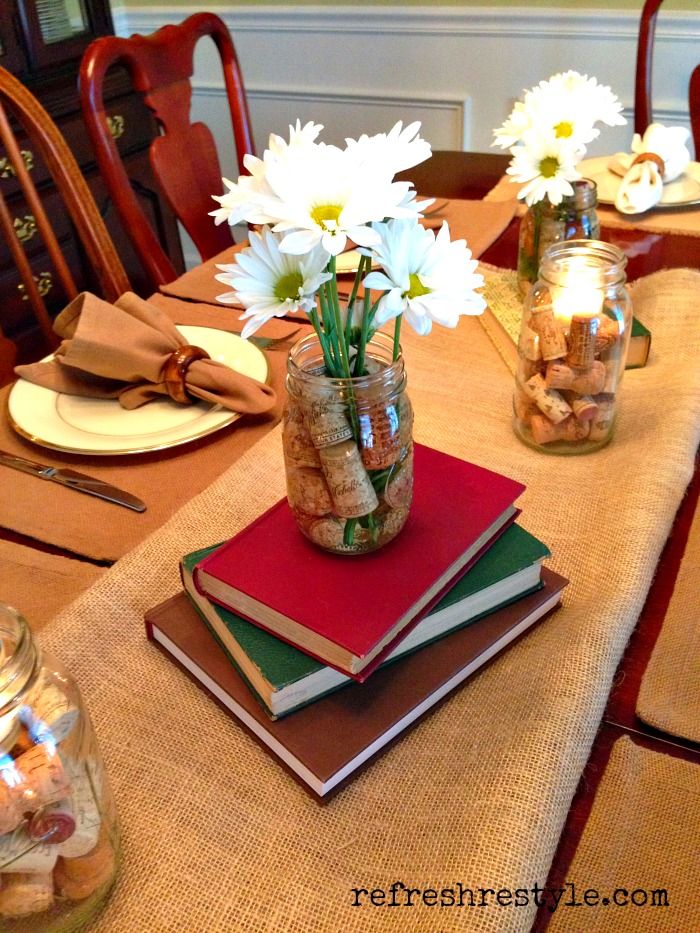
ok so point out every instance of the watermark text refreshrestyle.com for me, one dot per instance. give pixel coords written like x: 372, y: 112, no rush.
x: 457, y: 895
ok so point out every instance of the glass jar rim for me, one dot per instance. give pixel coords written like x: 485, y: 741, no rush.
x: 605, y: 260
x: 18, y: 667
x: 305, y: 363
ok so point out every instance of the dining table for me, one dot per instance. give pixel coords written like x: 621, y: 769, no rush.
x: 499, y: 792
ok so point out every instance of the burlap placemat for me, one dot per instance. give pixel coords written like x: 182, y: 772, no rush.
x: 163, y: 479
x: 478, y: 222
x: 669, y: 695
x: 218, y: 838
x: 639, y: 849
x: 40, y: 584
x: 682, y: 220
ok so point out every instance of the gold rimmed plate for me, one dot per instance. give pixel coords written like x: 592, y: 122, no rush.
x: 684, y: 192
x: 102, y: 427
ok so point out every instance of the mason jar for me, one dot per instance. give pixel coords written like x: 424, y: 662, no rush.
x: 572, y: 348
x: 348, y: 448
x: 59, y: 837
x: 544, y: 224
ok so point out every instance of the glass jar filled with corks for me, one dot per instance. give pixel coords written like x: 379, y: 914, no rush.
x: 572, y: 348
x: 348, y: 448
x: 59, y: 836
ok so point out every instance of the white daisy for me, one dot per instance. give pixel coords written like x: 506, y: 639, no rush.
x: 546, y: 168
x: 269, y: 283
x: 397, y: 150
x: 425, y: 277
x: 515, y: 127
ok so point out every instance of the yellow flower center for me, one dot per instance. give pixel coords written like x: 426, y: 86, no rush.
x: 564, y: 130
x: 415, y: 287
x: 323, y: 213
x: 549, y: 166
x: 288, y: 286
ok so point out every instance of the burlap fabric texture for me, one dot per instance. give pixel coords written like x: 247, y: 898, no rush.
x: 640, y: 841
x: 669, y: 695
x: 218, y: 838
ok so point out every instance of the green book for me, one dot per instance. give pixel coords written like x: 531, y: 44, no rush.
x: 284, y: 678
x: 639, y: 346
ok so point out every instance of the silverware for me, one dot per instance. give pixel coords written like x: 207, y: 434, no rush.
x: 74, y: 480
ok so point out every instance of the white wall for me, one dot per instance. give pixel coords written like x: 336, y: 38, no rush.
x: 457, y: 69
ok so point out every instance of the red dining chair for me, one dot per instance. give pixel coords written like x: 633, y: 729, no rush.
x: 184, y: 157
x: 23, y: 118
x: 694, y: 100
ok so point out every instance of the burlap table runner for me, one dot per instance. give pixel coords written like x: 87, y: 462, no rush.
x: 669, y: 695
x: 640, y: 840
x: 218, y: 838
x: 163, y: 479
x: 680, y: 220
x: 479, y: 222
x: 40, y: 584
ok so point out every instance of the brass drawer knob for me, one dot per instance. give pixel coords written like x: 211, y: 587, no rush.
x: 7, y: 169
x: 116, y: 125
x: 25, y: 227
x: 44, y: 282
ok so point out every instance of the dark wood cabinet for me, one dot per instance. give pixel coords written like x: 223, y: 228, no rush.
x: 42, y: 42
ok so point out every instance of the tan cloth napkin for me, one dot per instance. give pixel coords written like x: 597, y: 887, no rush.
x: 119, y: 351
x: 657, y: 158
x: 479, y: 223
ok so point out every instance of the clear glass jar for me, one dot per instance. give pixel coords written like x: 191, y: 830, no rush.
x: 59, y: 837
x: 544, y: 223
x: 572, y: 348
x: 348, y: 448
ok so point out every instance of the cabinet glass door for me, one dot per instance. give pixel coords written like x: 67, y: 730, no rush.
x: 60, y: 19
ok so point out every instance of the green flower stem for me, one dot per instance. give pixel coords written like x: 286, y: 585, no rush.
x: 361, y: 269
x: 327, y: 330
x: 341, y: 343
x: 349, y: 531
x: 323, y: 340
x: 367, y: 332
x: 397, y: 337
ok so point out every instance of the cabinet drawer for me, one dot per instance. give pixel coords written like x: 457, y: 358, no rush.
x: 27, y: 230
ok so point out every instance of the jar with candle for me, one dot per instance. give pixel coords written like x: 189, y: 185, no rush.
x: 59, y: 837
x: 572, y: 348
x: 544, y: 223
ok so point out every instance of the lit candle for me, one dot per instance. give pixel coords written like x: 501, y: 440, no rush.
x: 579, y: 295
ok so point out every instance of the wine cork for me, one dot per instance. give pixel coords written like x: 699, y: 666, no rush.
x: 54, y: 823
x: 585, y: 408
x: 23, y: 894
x: 602, y: 424
x: 39, y: 778
x: 308, y: 491
x: 351, y: 489
x: 83, y: 809
x: 299, y: 449
x: 549, y: 401
x: 78, y: 878
x: 552, y: 338
x: 392, y: 523
x: 20, y: 853
x: 399, y: 488
x: 529, y: 344
x: 11, y: 814
x: 522, y: 405
x: 545, y: 432
x: 582, y: 337
x: 326, y: 422
x: 379, y: 436
x: 527, y: 369
x: 326, y: 532
x: 51, y: 717
x: 581, y: 381
x: 608, y: 334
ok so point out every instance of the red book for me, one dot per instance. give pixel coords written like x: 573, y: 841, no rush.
x: 349, y: 611
x: 326, y: 743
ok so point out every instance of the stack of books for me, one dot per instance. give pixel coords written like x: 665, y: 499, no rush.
x: 326, y: 658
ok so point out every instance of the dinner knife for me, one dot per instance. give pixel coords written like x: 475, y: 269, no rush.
x: 73, y: 480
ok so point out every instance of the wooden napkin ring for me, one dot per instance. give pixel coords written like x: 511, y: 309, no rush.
x: 651, y: 157
x: 175, y: 371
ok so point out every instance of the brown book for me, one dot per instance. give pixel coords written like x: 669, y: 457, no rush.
x: 326, y: 743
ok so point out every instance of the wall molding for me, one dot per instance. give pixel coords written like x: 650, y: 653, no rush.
x: 507, y: 22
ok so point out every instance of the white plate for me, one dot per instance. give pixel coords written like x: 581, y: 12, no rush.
x: 683, y: 192
x: 349, y: 261
x: 102, y: 426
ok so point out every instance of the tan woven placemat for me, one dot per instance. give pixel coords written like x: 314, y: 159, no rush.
x: 669, y: 695
x: 680, y: 220
x: 219, y: 838
x: 164, y: 479
x: 639, y: 849
x: 479, y: 222
x: 38, y: 584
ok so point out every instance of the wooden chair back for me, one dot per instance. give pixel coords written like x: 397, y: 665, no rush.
x: 184, y: 158
x: 642, y: 78
x: 21, y: 112
x: 694, y: 101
